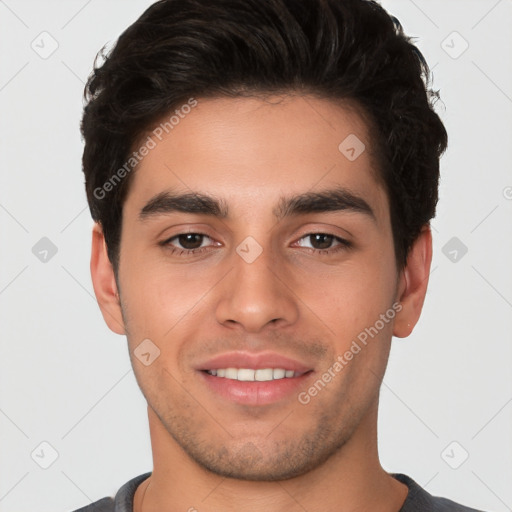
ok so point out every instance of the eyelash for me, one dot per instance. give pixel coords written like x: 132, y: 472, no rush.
x: 343, y: 245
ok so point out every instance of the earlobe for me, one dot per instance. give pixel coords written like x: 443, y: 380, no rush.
x: 104, y: 282
x: 413, y: 284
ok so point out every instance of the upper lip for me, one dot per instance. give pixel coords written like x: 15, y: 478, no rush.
x: 256, y: 361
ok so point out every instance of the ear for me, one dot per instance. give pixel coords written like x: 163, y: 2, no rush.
x: 104, y: 282
x: 413, y: 283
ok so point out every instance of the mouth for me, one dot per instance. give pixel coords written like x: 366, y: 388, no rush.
x: 253, y: 374
x: 254, y: 379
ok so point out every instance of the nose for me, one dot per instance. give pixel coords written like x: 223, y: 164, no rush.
x: 256, y: 295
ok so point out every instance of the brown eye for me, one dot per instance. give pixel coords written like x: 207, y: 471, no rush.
x: 321, y: 240
x: 190, y: 240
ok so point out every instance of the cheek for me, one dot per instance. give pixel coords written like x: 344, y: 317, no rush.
x: 157, y: 296
x: 351, y: 296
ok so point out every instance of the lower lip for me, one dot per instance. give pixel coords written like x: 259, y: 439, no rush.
x: 255, y: 392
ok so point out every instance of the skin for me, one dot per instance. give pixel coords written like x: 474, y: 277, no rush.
x: 213, y: 454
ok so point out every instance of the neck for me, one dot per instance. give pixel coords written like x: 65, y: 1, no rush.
x: 351, y: 479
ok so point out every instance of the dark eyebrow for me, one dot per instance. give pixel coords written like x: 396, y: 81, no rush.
x: 330, y: 200
x: 193, y: 202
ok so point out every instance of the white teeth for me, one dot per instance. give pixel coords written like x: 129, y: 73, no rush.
x: 231, y: 373
x: 279, y: 373
x: 246, y: 374
x: 250, y: 375
x: 264, y: 374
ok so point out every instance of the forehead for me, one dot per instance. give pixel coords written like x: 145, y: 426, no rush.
x: 249, y: 151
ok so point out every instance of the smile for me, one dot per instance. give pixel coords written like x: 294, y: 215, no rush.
x: 252, y: 375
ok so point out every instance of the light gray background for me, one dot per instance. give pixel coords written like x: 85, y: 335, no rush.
x: 66, y: 380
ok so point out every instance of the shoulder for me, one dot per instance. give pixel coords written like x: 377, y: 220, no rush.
x: 103, y: 505
x: 123, y: 501
x: 419, y: 500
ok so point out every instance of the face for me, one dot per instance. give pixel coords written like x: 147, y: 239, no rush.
x: 253, y: 247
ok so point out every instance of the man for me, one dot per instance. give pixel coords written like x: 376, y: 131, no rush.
x: 262, y: 174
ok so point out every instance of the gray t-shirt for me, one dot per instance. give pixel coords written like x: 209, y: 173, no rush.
x: 418, y: 500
